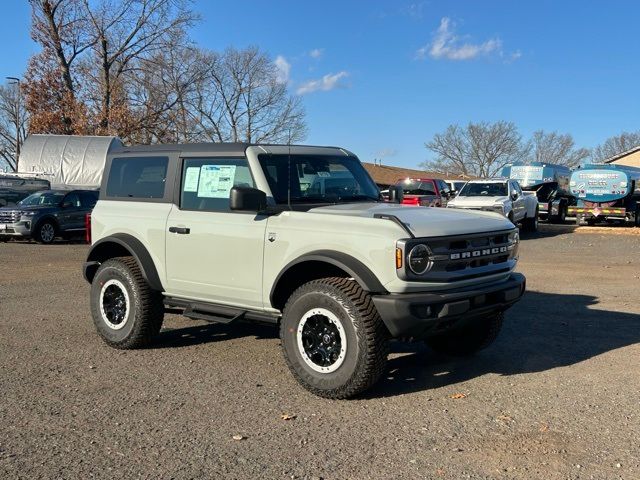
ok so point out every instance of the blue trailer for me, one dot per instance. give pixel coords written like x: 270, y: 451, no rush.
x: 549, y: 182
x: 606, y: 192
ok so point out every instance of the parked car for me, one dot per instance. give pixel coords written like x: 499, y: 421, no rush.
x: 48, y: 214
x: 502, y: 196
x: 426, y: 192
x: 276, y: 234
x: 455, y: 186
x: 14, y: 188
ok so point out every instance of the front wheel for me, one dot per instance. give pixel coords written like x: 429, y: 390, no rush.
x: 466, y: 341
x: 333, y: 339
x: 531, y: 224
x: 126, y: 312
x: 45, y: 232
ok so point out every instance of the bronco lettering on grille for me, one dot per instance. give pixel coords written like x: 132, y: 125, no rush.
x: 478, y: 253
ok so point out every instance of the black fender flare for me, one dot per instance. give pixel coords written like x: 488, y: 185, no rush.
x: 100, y: 252
x: 354, y: 267
x: 47, y: 217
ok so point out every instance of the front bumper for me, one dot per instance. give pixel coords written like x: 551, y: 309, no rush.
x: 420, y: 315
x: 19, y: 229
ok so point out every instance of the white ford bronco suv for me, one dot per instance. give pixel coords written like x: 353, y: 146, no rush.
x: 296, y: 236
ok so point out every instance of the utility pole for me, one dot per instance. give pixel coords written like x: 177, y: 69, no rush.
x: 16, y: 81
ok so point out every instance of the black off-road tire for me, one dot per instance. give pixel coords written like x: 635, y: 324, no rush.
x: 39, y: 234
x: 464, y: 342
x: 366, y: 337
x: 531, y: 224
x: 145, y: 311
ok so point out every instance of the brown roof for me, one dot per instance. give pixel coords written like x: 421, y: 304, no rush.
x: 388, y: 175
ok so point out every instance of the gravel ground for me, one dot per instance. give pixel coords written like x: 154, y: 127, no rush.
x: 555, y: 397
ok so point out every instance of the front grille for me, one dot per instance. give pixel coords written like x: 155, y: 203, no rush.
x: 9, y: 216
x: 465, y: 257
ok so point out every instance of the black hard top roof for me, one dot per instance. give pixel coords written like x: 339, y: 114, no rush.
x: 239, y: 147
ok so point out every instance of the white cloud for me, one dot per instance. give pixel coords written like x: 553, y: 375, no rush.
x: 316, y: 52
x: 284, y: 69
x: 447, y: 45
x: 326, y: 83
x: 415, y: 10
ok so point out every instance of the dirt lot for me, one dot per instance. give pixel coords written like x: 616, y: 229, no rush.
x: 557, y: 396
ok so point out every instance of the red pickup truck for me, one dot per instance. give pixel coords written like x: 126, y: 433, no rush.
x: 428, y: 192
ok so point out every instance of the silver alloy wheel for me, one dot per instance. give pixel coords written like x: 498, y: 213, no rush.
x: 47, y: 233
x: 114, y: 304
x: 322, y: 341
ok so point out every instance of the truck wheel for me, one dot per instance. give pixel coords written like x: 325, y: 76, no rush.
x: 562, y: 215
x: 126, y: 312
x: 531, y: 224
x: 45, y: 232
x: 470, y: 339
x: 333, y: 339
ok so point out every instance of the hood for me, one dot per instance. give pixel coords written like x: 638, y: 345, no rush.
x: 477, y: 201
x: 425, y: 221
x: 33, y: 208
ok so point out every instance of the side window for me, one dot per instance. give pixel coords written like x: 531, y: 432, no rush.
x: 137, y: 177
x: 444, y: 188
x: 206, y: 182
x: 73, y: 199
x: 516, y: 187
x: 88, y: 199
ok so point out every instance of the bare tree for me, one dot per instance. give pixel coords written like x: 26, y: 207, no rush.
x: 555, y: 148
x: 60, y: 26
x: 14, y: 121
x: 126, y: 32
x: 615, y: 145
x: 479, y: 149
x: 241, y: 98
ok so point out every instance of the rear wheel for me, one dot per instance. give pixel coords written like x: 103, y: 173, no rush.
x: 531, y: 224
x: 470, y: 339
x: 45, y: 232
x: 126, y: 312
x: 333, y: 339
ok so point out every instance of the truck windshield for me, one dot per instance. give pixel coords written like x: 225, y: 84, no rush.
x: 417, y: 187
x: 317, y: 179
x: 42, y: 198
x: 489, y: 189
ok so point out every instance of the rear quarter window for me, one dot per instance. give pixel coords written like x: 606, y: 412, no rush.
x: 137, y: 177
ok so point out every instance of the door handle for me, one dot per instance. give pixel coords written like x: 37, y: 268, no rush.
x: 180, y: 230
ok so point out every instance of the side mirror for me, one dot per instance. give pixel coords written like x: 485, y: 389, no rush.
x: 396, y: 194
x: 247, y: 199
x: 514, y: 195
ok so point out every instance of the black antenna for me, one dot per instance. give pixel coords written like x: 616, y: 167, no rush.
x: 289, y: 171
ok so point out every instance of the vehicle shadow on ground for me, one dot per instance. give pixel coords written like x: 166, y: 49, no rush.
x: 543, y: 331
x: 548, y: 230
x: 211, y: 332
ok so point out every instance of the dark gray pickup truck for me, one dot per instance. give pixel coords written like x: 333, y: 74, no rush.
x: 48, y: 214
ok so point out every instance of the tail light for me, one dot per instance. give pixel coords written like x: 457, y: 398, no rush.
x: 87, y: 228
x: 411, y: 201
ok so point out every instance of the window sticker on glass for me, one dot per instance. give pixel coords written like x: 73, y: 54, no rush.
x: 216, y: 181
x: 191, y: 179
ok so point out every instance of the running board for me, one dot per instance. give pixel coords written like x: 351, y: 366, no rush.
x: 216, y: 313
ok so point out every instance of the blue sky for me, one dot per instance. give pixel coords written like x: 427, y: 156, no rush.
x: 381, y: 77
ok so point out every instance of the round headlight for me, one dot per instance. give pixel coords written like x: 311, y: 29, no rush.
x: 419, y: 261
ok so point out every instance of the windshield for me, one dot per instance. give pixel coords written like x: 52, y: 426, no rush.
x: 417, y: 187
x: 489, y: 189
x: 317, y: 179
x: 42, y: 198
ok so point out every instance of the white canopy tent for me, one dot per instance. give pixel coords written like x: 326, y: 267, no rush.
x: 67, y: 161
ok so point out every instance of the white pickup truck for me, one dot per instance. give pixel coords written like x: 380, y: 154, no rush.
x: 502, y: 196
